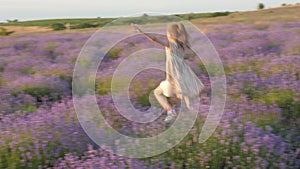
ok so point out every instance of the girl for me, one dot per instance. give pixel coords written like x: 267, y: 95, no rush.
x: 180, y: 81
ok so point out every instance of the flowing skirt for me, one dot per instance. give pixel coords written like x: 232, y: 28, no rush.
x: 181, y: 80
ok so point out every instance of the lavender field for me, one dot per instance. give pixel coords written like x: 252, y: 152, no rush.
x: 259, y: 127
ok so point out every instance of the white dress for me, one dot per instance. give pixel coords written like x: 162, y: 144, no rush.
x: 180, y: 78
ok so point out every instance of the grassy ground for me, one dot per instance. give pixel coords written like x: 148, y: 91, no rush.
x: 48, y: 22
x: 279, y: 14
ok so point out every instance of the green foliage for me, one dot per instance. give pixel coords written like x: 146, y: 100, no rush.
x: 265, y: 119
x: 131, y: 44
x: 230, y: 69
x: 27, y: 70
x: 16, y: 158
x: 49, y: 22
x: 4, y: 32
x: 202, y: 15
x: 250, y: 90
x: 295, y: 50
x: 141, y: 91
x: 291, y: 111
x: 297, y: 31
x: 203, y: 68
x: 213, y: 153
x: 1, y: 81
x: 58, y: 26
x: 52, y: 53
x: 216, y: 14
x: 261, y: 6
x: 12, y: 159
x: 143, y: 100
x: 28, y: 108
x: 22, y: 45
x: 261, y: 27
x: 285, y: 100
x: 103, y: 86
x: 9, y: 21
x: 84, y: 25
x: 67, y: 78
x: 115, y: 52
x: 144, y: 20
x: 212, y: 68
x: 40, y: 92
x: 277, y: 96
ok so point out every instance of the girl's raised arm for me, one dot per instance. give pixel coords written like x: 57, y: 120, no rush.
x: 152, y: 38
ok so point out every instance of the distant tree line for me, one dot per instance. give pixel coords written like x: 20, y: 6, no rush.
x: 261, y: 6
x: 10, y: 21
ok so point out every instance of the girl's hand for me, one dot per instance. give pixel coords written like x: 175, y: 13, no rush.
x: 136, y: 27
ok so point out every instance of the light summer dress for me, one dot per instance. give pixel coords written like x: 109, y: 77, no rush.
x: 180, y: 78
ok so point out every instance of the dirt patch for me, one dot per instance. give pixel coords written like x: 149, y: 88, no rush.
x: 26, y: 29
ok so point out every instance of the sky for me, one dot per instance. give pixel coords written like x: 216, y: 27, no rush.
x: 42, y: 9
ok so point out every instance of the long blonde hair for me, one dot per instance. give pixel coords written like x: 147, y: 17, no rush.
x: 178, y: 32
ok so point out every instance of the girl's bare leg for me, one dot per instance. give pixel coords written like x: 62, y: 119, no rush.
x: 187, y: 102
x: 158, y: 93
